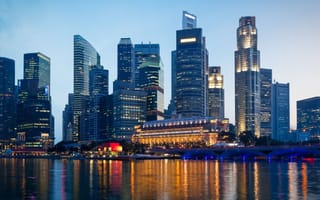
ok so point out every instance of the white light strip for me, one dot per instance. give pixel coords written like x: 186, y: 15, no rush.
x: 188, y: 40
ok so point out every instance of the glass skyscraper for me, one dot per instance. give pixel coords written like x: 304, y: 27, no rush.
x: 125, y: 61
x: 7, y: 98
x: 247, y: 78
x: 215, y: 93
x: 280, y: 111
x: 34, y: 116
x: 68, y: 119
x: 265, y: 105
x: 84, y: 58
x: 150, y: 78
x: 129, y: 103
x: 308, y: 115
x: 191, y: 66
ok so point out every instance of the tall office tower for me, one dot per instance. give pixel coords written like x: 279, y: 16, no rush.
x: 34, y: 115
x: 191, y: 66
x: 265, y: 105
x: 247, y: 78
x: 308, y: 116
x: 99, y: 90
x: 215, y: 93
x: 67, y: 115
x: 189, y: 21
x: 129, y: 110
x: 7, y: 98
x: 84, y: 58
x: 150, y: 78
x: 280, y: 111
x: 125, y: 61
x: 129, y: 103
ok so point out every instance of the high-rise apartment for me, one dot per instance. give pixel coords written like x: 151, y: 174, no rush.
x: 265, y: 105
x: 247, y: 78
x: 308, y: 115
x: 280, y: 111
x: 84, y: 58
x: 34, y: 115
x: 149, y: 77
x: 215, y: 93
x: 7, y: 98
x: 191, y: 66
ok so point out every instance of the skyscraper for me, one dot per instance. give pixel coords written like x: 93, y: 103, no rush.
x: 68, y: 120
x: 34, y: 115
x: 125, y: 61
x: 215, y: 93
x: 84, y: 58
x: 99, y: 90
x: 247, y: 78
x: 308, y: 115
x: 129, y: 103
x: 280, y: 111
x: 7, y: 98
x: 191, y: 66
x: 150, y: 78
x: 265, y: 108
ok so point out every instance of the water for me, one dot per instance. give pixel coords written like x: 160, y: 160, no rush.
x: 157, y: 179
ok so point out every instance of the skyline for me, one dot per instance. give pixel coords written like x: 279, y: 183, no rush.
x: 48, y: 27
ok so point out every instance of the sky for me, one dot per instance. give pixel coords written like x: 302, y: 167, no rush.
x: 288, y: 38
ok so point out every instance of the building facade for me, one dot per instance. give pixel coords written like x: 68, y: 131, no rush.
x: 84, y: 58
x: 308, y: 116
x: 215, y: 93
x: 67, y: 115
x: 280, y: 111
x: 129, y: 110
x: 7, y: 99
x: 191, y: 66
x: 34, y: 116
x: 180, y: 132
x: 125, y: 61
x: 150, y: 78
x: 265, y: 105
x: 247, y: 78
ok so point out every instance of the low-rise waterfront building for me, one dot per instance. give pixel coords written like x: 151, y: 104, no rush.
x: 180, y: 131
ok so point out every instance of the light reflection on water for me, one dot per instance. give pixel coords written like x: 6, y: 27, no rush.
x: 157, y: 179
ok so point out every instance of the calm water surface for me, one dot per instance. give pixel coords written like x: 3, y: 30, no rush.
x: 157, y: 179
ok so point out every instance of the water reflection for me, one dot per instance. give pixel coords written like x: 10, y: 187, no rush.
x: 157, y: 179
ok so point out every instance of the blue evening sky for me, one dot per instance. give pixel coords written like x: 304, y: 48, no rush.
x: 288, y: 38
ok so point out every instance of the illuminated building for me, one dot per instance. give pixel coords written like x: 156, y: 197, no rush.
x: 215, y: 93
x: 150, y: 78
x: 247, y: 78
x: 280, y: 111
x: 125, y: 61
x: 265, y: 105
x: 84, y: 58
x: 129, y: 107
x: 34, y: 117
x: 308, y: 115
x: 180, y: 131
x: 191, y: 66
x: 7, y: 98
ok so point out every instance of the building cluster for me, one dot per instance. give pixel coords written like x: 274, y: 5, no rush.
x: 135, y: 109
x: 26, y: 120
